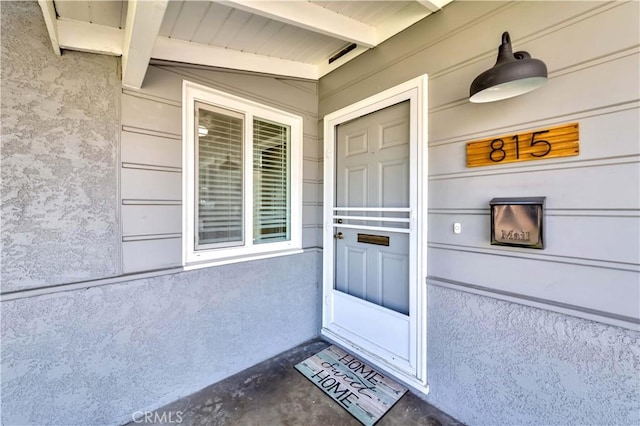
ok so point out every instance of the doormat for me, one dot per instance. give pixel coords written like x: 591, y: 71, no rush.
x: 364, y: 392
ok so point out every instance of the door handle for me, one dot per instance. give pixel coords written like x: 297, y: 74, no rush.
x: 339, y: 236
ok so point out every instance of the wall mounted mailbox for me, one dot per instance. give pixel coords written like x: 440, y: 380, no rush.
x: 518, y: 222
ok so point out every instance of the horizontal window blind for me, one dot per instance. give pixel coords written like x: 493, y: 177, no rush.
x: 219, y: 177
x: 242, y: 179
x: 271, y: 186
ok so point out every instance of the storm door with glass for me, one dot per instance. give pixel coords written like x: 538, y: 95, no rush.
x: 372, y: 259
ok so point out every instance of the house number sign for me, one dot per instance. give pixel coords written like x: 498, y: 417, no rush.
x: 551, y: 142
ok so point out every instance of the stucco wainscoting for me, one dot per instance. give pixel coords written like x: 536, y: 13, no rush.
x: 95, y: 356
x: 493, y: 362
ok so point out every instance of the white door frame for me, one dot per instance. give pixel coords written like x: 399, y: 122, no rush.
x: 415, y: 91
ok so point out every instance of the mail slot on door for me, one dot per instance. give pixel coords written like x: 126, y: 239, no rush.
x: 379, y: 240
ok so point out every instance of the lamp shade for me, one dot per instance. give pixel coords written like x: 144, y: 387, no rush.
x: 513, y: 74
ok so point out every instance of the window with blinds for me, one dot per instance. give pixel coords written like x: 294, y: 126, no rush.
x: 271, y: 199
x: 219, y: 177
x: 242, y: 179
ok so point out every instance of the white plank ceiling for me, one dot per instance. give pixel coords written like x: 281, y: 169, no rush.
x: 289, y: 38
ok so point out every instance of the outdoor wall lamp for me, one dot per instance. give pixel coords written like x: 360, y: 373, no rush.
x: 513, y: 74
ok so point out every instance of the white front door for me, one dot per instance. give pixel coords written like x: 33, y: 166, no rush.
x: 374, y: 268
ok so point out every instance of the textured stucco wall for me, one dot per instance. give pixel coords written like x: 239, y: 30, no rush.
x: 492, y: 362
x: 58, y: 157
x: 94, y: 356
x: 98, y: 355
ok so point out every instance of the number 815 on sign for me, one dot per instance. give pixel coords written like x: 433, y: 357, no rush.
x: 553, y: 142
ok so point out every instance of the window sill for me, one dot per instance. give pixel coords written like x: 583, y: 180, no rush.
x: 241, y: 258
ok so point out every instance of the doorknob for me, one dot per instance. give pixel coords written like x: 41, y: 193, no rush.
x: 338, y: 236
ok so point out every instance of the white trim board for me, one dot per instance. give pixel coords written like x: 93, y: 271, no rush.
x: 535, y: 302
x: 414, y: 91
x: 99, y: 282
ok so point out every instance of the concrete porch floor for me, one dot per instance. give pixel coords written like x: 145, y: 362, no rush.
x: 275, y: 393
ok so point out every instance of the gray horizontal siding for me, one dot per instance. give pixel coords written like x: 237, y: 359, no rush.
x: 592, y: 254
x: 539, y: 367
x: 151, y: 157
x: 83, y: 343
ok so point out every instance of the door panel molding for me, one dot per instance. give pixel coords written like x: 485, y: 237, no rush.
x: 406, y: 359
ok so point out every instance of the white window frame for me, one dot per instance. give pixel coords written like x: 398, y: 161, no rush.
x: 192, y: 258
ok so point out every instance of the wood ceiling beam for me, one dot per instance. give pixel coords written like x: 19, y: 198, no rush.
x: 434, y: 5
x: 311, y: 17
x: 92, y: 38
x: 170, y: 49
x: 144, y: 18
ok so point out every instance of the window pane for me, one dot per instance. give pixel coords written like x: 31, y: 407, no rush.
x: 271, y: 198
x: 219, y: 177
